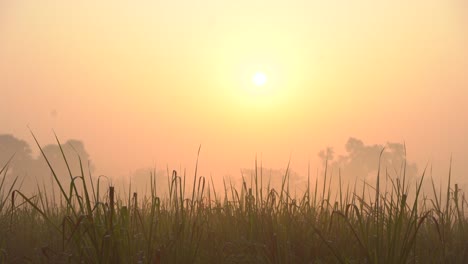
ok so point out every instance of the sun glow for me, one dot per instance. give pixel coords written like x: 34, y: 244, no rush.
x: 259, y: 79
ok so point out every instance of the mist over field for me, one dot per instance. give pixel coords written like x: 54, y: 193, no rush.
x: 247, y: 131
x: 357, y: 166
x: 144, y: 85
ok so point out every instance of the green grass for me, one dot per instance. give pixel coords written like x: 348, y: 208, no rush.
x: 195, y: 223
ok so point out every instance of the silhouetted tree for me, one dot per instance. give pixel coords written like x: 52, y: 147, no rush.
x: 9, y: 145
x: 362, y: 160
x: 34, y: 171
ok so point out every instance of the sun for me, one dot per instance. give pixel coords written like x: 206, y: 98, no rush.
x: 259, y: 79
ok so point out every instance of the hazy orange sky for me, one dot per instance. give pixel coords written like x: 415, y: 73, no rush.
x: 146, y: 82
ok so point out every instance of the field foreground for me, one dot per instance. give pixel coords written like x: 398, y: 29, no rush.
x: 255, y: 223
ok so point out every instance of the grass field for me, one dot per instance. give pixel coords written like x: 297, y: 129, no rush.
x: 255, y: 223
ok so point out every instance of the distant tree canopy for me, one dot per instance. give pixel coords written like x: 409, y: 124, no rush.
x: 33, y: 171
x: 362, y: 160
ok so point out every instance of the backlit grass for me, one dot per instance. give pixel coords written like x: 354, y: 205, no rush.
x: 255, y: 223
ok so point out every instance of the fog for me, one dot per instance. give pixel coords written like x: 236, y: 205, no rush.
x: 33, y: 172
x: 141, y: 86
x: 356, y: 167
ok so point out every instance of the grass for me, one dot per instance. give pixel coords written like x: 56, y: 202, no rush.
x: 255, y: 223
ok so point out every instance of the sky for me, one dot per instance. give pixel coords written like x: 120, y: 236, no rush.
x: 145, y: 83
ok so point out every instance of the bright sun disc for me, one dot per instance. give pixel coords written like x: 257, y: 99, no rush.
x: 259, y: 79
